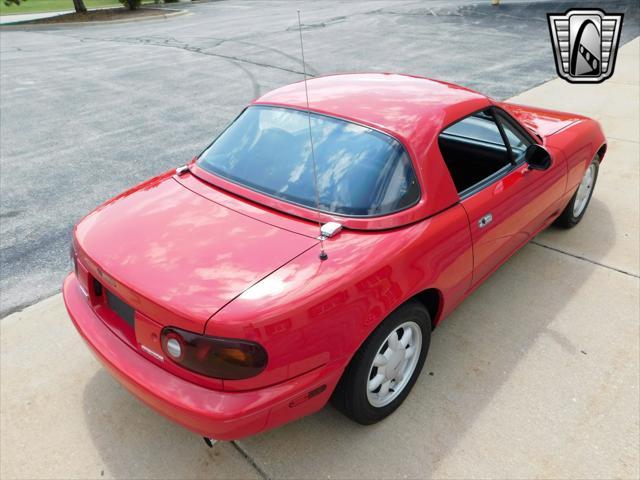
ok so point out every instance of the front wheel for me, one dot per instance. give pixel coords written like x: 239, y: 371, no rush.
x: 385, y: 368
x: 577, y: 206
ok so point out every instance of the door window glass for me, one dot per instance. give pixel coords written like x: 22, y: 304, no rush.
x: 473, y: 150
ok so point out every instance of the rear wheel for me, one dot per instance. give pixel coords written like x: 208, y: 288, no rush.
x: 577, y: 206
x: 385, y: 368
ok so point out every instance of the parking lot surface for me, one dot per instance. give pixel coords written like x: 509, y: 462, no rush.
x: 89, y: 111
x: 534, y: 376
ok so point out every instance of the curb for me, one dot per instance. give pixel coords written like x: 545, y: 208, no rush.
x: 25, y: 25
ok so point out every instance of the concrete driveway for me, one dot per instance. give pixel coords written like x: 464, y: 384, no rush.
x: 536, y: 375
x: 89, y: 111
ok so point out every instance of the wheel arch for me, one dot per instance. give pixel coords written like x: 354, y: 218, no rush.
x: 431, y: 298
x: 601, y: 151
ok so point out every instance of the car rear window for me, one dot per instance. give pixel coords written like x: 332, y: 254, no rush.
x: 361, y: 172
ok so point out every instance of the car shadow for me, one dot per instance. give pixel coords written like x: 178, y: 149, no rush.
x: 473, y: 354
x: 593, y: 237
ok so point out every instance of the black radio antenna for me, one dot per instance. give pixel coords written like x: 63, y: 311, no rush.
x: 323, y: 254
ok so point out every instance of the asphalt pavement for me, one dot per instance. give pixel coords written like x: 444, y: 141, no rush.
x: 89, y: 111
x: 536, y: 375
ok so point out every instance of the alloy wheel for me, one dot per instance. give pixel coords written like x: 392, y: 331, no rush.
x: 584, y: 191
x: 394, y: 364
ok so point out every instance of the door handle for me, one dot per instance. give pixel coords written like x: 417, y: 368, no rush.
x: 486, y: 220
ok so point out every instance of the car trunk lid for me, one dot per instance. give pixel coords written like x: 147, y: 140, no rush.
x: 178, y: 257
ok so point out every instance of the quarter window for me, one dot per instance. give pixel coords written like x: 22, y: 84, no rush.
x: 480, y: 127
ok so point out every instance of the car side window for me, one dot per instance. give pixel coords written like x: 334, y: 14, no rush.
x: 479, y: 127
x: 474, y: 150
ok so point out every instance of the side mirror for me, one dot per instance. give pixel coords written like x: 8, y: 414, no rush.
x: 537, y: 157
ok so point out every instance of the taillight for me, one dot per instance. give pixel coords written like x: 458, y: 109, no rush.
x: 216, y: 357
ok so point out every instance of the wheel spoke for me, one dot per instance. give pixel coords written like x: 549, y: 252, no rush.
x: 394, y: 341
x: 384, y: 389
x: 406, y: 337
x: 410, y: 351
x: 585, y: 180
x: 401, y: 371
x: 380, y: 360
x: 376, y: 381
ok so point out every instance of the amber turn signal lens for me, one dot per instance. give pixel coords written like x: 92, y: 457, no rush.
x: 225, y: 358
x: 234, y: 355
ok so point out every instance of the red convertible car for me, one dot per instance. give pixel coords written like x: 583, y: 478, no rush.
x: 211, y: 295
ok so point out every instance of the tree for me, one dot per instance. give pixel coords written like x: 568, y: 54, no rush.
x: 78, y: 4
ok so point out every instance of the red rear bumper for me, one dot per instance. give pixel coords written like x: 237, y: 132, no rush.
x: 215, y: 414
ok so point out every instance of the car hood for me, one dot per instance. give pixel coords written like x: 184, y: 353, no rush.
x: 541, y: 121
x: 164, y: 248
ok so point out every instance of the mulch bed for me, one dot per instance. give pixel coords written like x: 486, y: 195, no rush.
x: 103, y: 15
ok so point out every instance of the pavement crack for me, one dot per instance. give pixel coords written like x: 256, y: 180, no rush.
x: 311, y: 72
x: 157, y: 41
x: 311, y: 26
x: 250, y: 459
x: 580, y: 257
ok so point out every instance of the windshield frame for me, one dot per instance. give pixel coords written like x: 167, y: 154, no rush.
x: 314, y: 208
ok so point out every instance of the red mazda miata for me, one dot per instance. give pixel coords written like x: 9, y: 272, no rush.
x: 213, y: 296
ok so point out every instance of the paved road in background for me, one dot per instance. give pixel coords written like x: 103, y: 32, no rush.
x: 90, y: 111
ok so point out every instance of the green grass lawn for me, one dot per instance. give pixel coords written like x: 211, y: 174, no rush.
x: 37, y: 6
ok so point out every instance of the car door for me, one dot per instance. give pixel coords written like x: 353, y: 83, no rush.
x: 505, y: 201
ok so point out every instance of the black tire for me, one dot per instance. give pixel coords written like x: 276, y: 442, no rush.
x: 567, y: 218
x: 350, y: 396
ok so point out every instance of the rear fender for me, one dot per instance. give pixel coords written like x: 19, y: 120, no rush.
x: 311, y: 312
